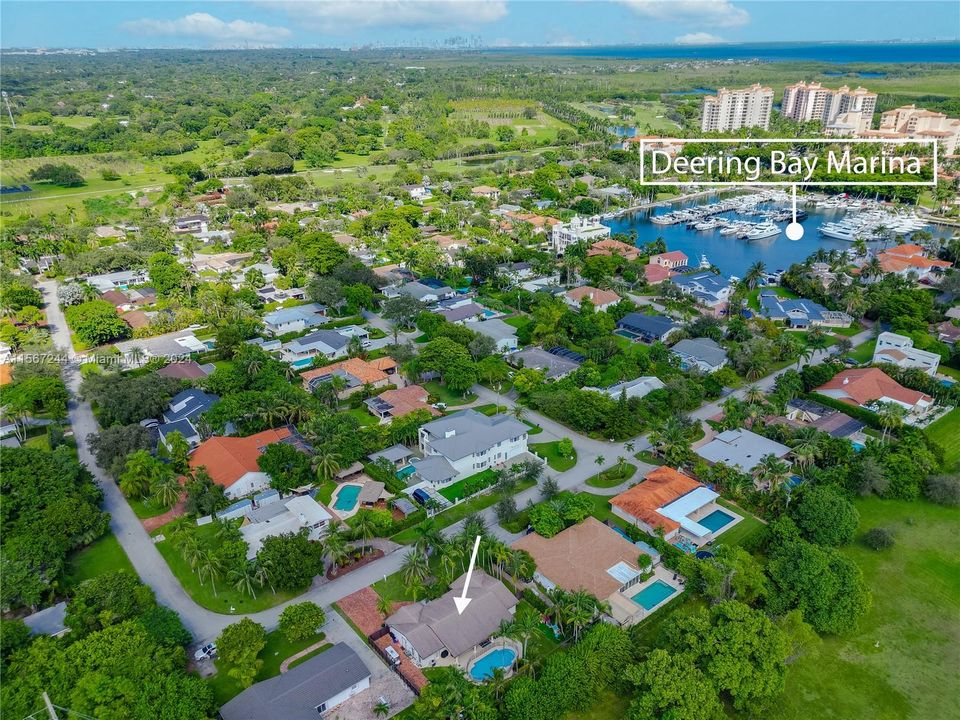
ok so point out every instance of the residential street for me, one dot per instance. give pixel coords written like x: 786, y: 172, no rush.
x: 205, y: 624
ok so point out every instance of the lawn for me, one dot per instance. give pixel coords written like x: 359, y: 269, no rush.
x: 610, y: 705
x: 458, y: 489
x: 901, y: 663
x: 753, y: 297
x: 146, y: 508
x: 612, y: 477
x: 362, y: 416
x: 550, y: 452
x: 445, y: 395
x: 277, y: 649
x: 223, y: 599
x: 395, y: 589
x: 540, y: 644
x: 863, y: 353
x: 744, y: 530
x: 102, y: 556
x: 946, y: 433
x: 490, y: 409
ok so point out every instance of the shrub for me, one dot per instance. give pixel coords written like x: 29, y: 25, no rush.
x: 943, y: 489
x: 878, y: 538
x: 531, y: 597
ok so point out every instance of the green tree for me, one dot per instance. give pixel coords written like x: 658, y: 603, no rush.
x: 670, y: 686
x: 826, y: 516
x: 287, y: 467
x: 301, y: 621
x: 239, y: 645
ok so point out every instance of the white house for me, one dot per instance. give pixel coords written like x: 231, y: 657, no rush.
x: 638, y: 387
x: 471, y: 441
x: 294, y: 319
x: 899, y: 350
x: 563, y: 235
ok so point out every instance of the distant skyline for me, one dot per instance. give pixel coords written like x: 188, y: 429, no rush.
x: 453, y: 23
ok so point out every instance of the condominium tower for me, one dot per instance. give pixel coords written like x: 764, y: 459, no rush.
x: 841, y: 112
x: 735, y: 109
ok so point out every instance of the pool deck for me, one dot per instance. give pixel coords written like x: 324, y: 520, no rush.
x: 344, y: 514
x: 469, y: 659
x: 662, y: 574
x: 703, y: 512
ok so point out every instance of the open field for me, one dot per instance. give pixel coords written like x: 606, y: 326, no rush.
x: 496, y: 112
x: 102, y: 556
x: 946, y: 433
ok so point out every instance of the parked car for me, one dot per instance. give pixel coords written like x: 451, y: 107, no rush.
x: 207, y: 651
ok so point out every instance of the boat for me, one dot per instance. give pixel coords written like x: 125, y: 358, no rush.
x: 764, y: 230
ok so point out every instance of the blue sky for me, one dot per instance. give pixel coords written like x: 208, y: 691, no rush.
x: 350, y: 23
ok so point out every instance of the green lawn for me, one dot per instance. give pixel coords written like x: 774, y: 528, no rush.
x: 744, y: 530
x: 457, y: 490
x: 753, y: 297
x: 518, y: 321
x: 847, y: 331
x: 549, y: 451
x: 223, y: 599
x: 648, y: 457
x: 612, y: 476
x: 41, y: 442
x: 146, y: 508
x: 102, y: 556
x: 445, y: 395
x: 610, y: 705
x: 277, y: 649
x: 395, y: 589
x: 363, y: 416
x: 901, y: 663
x: 863, y: 353
x: 490, y: 409
x: 946, y: 433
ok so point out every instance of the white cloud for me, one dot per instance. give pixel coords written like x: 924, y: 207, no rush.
x: 204, y: 25
x: 343, y: 15
x: 717, y: 13
x: 699, y: 38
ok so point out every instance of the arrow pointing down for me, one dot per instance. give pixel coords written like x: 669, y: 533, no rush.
x: 462, y: 601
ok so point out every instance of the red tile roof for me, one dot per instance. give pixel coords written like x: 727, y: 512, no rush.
x: 863, y: 386
x: 660, y: 487
x: 227, y: 459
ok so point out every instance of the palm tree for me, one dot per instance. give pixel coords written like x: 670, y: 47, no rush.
x: 335, y: 546
x: 261, y: 573
x: 497, y: 682
x: 754, y: 275
x: 772, y: 470
x: 384, y: 606
x: 519, y: 412
x: 600, y: 460
x: 244, y: 577
x: 415, y: 567
x: 754, y: 395
x: 428, y: 536
x: 756, y: 365
x: 381, y: 709
x: 873, y: 268
x: 891, y: 417
x: 817, y: 339
x: 364, y: 528
x: 672, y: 441
x: 629, y: 446
x: 166, y: 490
x: 327, y: 465
x: 578, y: 611
x: 523, y: 627
x: 209, y: 566
x: 805, y: 354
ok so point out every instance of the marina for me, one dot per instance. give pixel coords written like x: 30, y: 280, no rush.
x: 734, y: 232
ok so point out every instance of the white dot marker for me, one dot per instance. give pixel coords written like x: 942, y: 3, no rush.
x: 794, y: 231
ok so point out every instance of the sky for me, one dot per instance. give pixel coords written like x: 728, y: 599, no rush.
x: 355, y: 23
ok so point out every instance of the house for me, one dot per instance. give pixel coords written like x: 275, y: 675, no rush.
x: 421, y: 291
x: 269, y: 272
x: 287, y: 515
x: 865, y: 387
x: 294, y: 319
x: 182, y: 413
x: 355, y: 372
x: 611, y: 247
x: 471, y: 441
x: 330, y: 344
x: 306, y: 691
x: 800, y: 313
x: 516, y: 271
x: 433, y: 631
x: 807, y: 413
x: 397, y: 454
x: 460, y: 311
x: 49, y: 621
x: 231, y: 462
x: 673, y: 503
x: 899, y: 350
x: 137, y: 318
x: 117, y: 299
x: 121, y: 279
x: 602, y: 299
x: 702, y: 353
x: 220, y: 263
x: 563, y: 235
x: 588, y: 556
x: 397, y: 403
x: 948, y: 333
x: 418, y: 193
x: 540, y: 223
x: 741, y: 449
x: 670, y: 260
x: 170, y: 346
x: 486, y: 191
x: 185, y: 370
x: 503, y: 334
x: 905, y: 259
x: 636, y: 388
x: 554, y: 365
x: 655, y: 274
x: 710, y: 290
x: 190, y: 223
x: 648, y: 328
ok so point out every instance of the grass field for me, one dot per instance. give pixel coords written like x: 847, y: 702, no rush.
x: 224, y: 598
x: 946, y: 433
x: 863, y: 353
x: 457, y: 490
x: 612, y: 476
x: 744, y: 530
x: 549, y: 451
x: 102, y: 556
x: 901, y: 663
x: 497, y: 112
x: 445, y: 395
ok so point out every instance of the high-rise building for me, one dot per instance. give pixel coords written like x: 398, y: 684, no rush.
x: 735, y: 109
x: 841, y: 112
x: 911, y: 122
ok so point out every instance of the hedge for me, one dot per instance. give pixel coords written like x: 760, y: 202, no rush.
x: 854, y: 411
x: 531, y: 597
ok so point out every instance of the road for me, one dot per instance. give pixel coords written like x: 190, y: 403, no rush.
x: 205, y: 624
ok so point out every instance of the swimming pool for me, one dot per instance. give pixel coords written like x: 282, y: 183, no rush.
x: 484, y: 666
x: 347, y: 498
x: 716, y: 520
x: 653, y: 595
x: 858, y: 446
x: 302, y: 363
x: 403, y: 472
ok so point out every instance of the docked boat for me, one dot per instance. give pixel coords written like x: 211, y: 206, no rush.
x: 764, y: 230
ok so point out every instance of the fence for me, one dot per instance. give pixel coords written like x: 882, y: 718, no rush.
x: 372, y: 641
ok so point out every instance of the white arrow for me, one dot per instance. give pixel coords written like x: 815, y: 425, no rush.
x: 462, y: 601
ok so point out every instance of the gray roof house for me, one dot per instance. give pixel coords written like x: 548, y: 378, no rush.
x: 425, y: 293
x: 702, y: 353
x: 49, y: 621
x: 472, y: 441
x: 305, y: 691
x: 800, y: 313
x: 397, y: 454
x: 429, y: 631
x: 741, y: 449
x: 638, y: 326
x: 555, y: 366
x: 638, y: 387
x: 294, y: 319
x: 434, y: 469
x: 503, y: 334
x: 328, y: 343
x: 707, y: 287
x: 182, y: 413
x: 116, y: 280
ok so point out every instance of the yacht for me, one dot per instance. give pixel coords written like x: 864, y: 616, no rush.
x: 764, y: 230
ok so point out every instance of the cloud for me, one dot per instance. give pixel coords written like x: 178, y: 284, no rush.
x: 340, y: 15
x: 716, y: 13
x: 204, y: 25
x: 699, y: 38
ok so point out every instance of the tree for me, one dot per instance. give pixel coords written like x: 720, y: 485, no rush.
x: 128, y: 399
x: 891, y: 417
x: 166, y: 273
x: 825, y: 516
x: 287, y: 467
x: 772, y: 471
x: 301, y: 621
x: 415, y: 567
x: 140, y: 473
x: 402, y: 310
x: 60, y: 174
x: 733, y: 574
x: 326, y: 290
x: 327, y: 464
x: 670, y: 687
x: 96, y: 322
x: 238, y: 645
x: 292, y: 560
x: 321, y: 253
x: 106, y: 600
x: 112, y: 444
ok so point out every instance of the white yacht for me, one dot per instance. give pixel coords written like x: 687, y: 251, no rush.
x: 764, y: 230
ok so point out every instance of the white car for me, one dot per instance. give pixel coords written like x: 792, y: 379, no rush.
x: 207, y: 651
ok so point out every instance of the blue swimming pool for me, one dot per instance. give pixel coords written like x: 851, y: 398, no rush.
x: 483, y: 668
x: 653, y: 594
x: 858, y: 446
x: 347, y: 497
x: 716, y: 520
x: 302, y: 363
x: 403, y: 472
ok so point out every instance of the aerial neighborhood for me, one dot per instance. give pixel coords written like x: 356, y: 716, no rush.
x: 399, y: 395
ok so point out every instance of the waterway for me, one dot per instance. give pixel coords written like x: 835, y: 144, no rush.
x: 732, y: 255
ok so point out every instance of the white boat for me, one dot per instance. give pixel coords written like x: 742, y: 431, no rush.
x: 706, y: 225
x: 764, y: 230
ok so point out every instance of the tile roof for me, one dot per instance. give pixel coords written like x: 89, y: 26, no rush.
x: 657, y: 273
x: 363, y: 371
x: 595, y: 295
x: 660, y: 487
x: 405, y: 400
x: 864, y: 385
x: 227, y: 459
x: 579, y: 557
x: 187, y: 370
